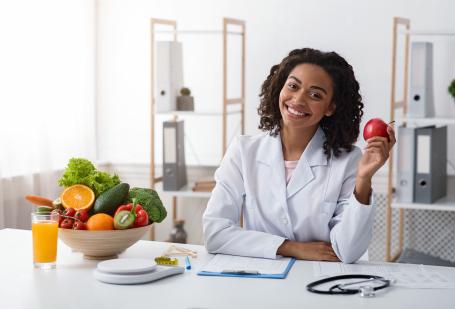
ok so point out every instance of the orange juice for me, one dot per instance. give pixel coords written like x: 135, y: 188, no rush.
x: 45, y: 232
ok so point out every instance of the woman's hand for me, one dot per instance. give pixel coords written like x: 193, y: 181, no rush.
x: 376, y: 154
x: 314, y: 251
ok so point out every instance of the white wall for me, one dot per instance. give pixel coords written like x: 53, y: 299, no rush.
x: 47, y: 84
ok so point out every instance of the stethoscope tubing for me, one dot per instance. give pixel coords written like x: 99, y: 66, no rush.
x: 339, y: 290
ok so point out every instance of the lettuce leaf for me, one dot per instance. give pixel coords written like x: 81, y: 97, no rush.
x: 82, y: 171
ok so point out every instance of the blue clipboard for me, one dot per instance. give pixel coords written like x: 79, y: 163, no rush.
x: 248, y: 275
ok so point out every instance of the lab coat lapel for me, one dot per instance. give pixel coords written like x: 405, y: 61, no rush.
x: 312, y: 156
x: 272, y: 156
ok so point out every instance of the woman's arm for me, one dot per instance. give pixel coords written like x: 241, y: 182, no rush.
x: 221, y: 220
x: 352, y: 224
x: 363, y: 190
x: 376, y: 154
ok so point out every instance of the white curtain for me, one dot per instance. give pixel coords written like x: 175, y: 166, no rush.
x: 47, y: 98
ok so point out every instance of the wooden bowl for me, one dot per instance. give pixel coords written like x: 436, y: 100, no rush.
x: 101, y: 245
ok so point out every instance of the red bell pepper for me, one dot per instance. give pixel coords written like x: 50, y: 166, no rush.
x: 142, y: 218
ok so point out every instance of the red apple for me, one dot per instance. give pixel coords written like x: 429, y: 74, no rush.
x: 375, y: 127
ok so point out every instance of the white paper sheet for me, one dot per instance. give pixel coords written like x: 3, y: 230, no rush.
x: 406, y: 275
x: 222, y: 262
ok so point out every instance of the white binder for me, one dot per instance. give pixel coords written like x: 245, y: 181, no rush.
x: 421, y: 100
x: 405, y: 164
x: 169, y: 75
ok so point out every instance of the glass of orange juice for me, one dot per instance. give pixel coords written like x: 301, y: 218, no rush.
x: 45, y: 232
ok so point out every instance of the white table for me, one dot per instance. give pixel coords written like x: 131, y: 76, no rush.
x: 72, y: 285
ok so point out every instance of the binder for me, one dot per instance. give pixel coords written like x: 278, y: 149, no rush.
x: 169, y: 74
x: 430, y: 180
x: 405, y: 164
x: 421, y: 99
x: 174, y: 167
x: 247, y: 267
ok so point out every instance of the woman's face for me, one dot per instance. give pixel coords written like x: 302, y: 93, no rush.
x: 306, y: 97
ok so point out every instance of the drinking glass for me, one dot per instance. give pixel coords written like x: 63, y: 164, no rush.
x: 45, y: 232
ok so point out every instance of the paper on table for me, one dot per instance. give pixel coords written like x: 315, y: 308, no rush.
x: 222, y: 262
x: 406, y: 275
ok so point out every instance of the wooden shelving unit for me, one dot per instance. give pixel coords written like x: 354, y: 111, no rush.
x: 224, y: 100
x: 402, y: 26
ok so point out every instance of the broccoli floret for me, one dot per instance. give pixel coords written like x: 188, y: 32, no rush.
x: 150, y: 201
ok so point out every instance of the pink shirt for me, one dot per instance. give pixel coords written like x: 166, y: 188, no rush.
x: 290, y: 167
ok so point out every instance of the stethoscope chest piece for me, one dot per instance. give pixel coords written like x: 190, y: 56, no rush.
x: 366, y: 291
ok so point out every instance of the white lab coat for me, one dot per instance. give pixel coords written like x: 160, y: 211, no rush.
x: 318, y: 204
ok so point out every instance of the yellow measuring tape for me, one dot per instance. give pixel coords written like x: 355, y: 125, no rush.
x: 165, y: 260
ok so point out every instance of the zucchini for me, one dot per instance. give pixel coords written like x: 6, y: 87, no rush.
x: 111, y: 199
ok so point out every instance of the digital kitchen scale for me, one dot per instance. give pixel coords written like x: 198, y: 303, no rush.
x: 133, y: 271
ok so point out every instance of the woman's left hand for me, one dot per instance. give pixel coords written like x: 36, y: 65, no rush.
x: 376, y: 154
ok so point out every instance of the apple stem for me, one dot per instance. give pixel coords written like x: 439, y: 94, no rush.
x: 391, y: 122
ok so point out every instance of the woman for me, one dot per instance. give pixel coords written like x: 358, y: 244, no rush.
x: 302, y: 186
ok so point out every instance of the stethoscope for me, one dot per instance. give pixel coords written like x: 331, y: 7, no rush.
x: 341, y: 289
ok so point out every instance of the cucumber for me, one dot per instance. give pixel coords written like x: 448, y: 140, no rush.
x: 111, y: 199
x: 43, y: 210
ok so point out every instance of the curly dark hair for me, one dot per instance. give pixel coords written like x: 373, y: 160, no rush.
x: 342, y: 128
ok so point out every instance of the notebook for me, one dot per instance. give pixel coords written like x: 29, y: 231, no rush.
x: 239, y: 266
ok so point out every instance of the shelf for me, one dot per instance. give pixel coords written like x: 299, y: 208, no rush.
x: 197, y: 32
x: 427, y: 121
x: 429, y: 33
x: 445, y: 204
x: 197, y: 113
x: 186, y: 191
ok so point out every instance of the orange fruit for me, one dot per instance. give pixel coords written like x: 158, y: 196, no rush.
x: 100, y: 222
x: 78, y: 197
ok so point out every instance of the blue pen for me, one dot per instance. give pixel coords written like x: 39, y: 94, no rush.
x: 187, y: 263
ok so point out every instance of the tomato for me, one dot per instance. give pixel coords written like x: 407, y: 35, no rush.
x: 79, y: 225
x: 70, y: 212
x: 82, y: 215
x: 60, y: 217
x: 67, y: 223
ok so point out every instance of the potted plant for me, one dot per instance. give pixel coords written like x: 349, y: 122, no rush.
x: 185, y: 101
x: 452, y: 89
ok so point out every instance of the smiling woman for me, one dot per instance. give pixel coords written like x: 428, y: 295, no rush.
x: 302, y: 187
x: 47, y: 97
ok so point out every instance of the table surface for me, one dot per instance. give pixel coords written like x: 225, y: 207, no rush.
x: 72, y: 285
